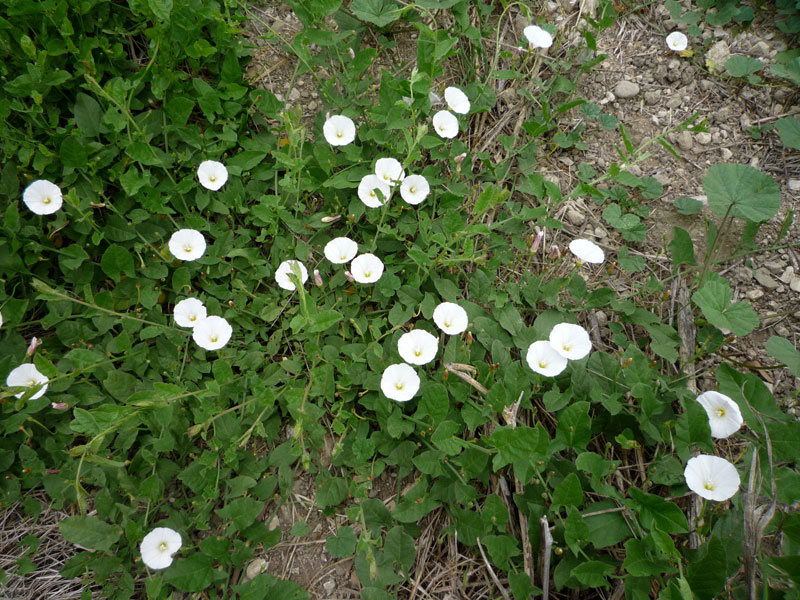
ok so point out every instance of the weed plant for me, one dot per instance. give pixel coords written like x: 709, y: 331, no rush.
x: 173, y: 446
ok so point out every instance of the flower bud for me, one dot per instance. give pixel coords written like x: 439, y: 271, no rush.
x: 537, y: 241
x: 332, y: 219
x: 349, y: 276
x: 59, y: 405
x: 352, y: 53
x: 33, y: 346
x: 317, y: 278
x: 554, y: 251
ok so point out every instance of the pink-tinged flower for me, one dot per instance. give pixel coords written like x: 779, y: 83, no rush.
x: 34, y: 344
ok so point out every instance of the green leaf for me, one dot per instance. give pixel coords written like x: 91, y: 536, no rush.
x: 707, y: 576
x: 655, y: 511
x: 576, y: 532
x: 740, y: 66
x: 89, y: 532
x: 517, y: 444
x: 399, y: 548
x: 568, y: 492
x: 783, y: 350
x: 751, y: 194
x: 88, y: 114
x: 241, y: 512
x: 714, y: 300
x: 574, y: 426
x: 689, y: 206
x: 789, y: 130
x: 501, y: 548
x: 593, y: 573
x: 443, y: 437
x: 323, y: 320
x: 162, y: 9
x: 116, y: 261
x: 629, y: 262
x: 300, y: 529
x: 343, y: 545
x: 682, y: 248
x: 378, y: 12
x: 191, y: 574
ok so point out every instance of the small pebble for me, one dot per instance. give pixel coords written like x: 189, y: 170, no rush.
x: 704, y: 138
x: 793, y: 185
x: 754, y: 294
x: 626, y: 89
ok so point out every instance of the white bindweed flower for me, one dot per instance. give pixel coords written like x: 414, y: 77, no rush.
x: 212, y: 333
x: 189, y: 312
x: 456, y: 100
x: 212, y: 174
x: 724, y: 416
x: 1, y: 319
x: 417, y: 347
x: 43, y: 197
x: 587, y: 251
x: 712, y: 477
x: 341, y: 250
x: 450, y: 318
x: 544, y: 359
x: 282, y: 274
x: 187, y: 244
x: 158, y: 546
x: 399, y: 382
x: 366, y: 268
x: 389, y: 170
x: 677, y: 41
x: 537, y: 37
x: 446, y: 124
x: 339, y: 130
x: 570, y: 341
x: 27, y: 375
x: 369, y: 188
x: 414, y: 189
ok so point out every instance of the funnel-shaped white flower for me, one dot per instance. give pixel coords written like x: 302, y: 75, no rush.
x: 537, y: 37
x: 389, y: 170
x: 450, y: 318
x: 414, y: 189
x: 339, y: 130
x: 456, y: 100
x: 712, y: 477
x: 570, y: 341
x: 158, y: 546
x: 43, y: 197
x: 417, y: 347
x: 189, y: 312
x: 724, y: 416
x: 587, y: 251
x: 27, y: 375
x: 368, y: 191
x: 446, y: 124
x: 400, y: 382
x: 212, y: 174
x: 341, y: 250
x: 366, y: 268
x: 212, y: 333
x: 282, y: 274
x: 543, y: 359
x: 187, y: 244
x: 677, y: 41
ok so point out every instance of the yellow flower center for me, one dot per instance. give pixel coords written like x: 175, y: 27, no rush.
x: 542, y: 364
x: 214, y: 338
x: 367, y: 273
x: 163, y: 546
x: 343, y: 257
x: 709, y: 485
x: 187, y: 248
x: 447, y: 323
x: 720, y: 412
x: 566, y: 347
x: 339, y: 133
x: 192, y: 317
x: 417, y: 352
x: 212, y: 178
x: 399, y: 385
x: 372, y: 193
x: 412, y: 189
x: 32, y: 382
x: 46, y: 200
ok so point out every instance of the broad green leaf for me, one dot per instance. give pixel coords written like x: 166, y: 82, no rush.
x: 377, y: 12
x: 593, y: 573
x: 89, y: 532
x: 682, y: 248
x: 655, y: 511
x: 191, y: 574
x: 516, y: 444
x: 343, y: 545
x: 568, y: 492
x: 241, y: 512
x: 740, y: 66
x: 576, y: 532
x: 162, y: 9
x: 689, y: 206
x: 789, y: 130
x: 749, y: 193
x: 501, y: 548
x: 443, y: 437
x: 88, y: 114
x: 323, y: 320
x: 574, y: 426
x: 783, y: 350
x: 116, y: 261
x: 714, y: 300
x: 707, y: 576
x: 399, y: 548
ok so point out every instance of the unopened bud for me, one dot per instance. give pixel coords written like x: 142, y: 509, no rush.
x: 59, y: 405
x: 349, y: 276
x: 97, y: 204
x: 537, y: 241
x: 352, y: 53
x: 332, y: 219
x: 517, y: 50
x: 317, y: 278
x: 459, y: 159
x: 33, y: 346
x: 554, y: 251
x: 469, y: 337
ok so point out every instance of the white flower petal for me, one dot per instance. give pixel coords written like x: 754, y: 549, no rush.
x: 368, y: 191
x: 27, y: 375
x: 543, y: 359
x: 189, y: 312
x: 212, y: 174
x: 417, y: 347
x: 724, y: 416
x: 456, y: 100
x: 187, y: 244
x: 212, y: 333
x: 414, y: 189
x: 339, y: 130
x: 570, y: 341
x: 341, y: 250
x: 366, y: 268
x: 712, y: 477
x: 158, y: 546
x: 400, y: 382
x: 587, y: 251
x: 282, y: 274
x: 537, y: 37
x: 677, y: 41
x: 450, y: 318
x: 389, y: 170
x: 43, y: 197
x: 446, y: 124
